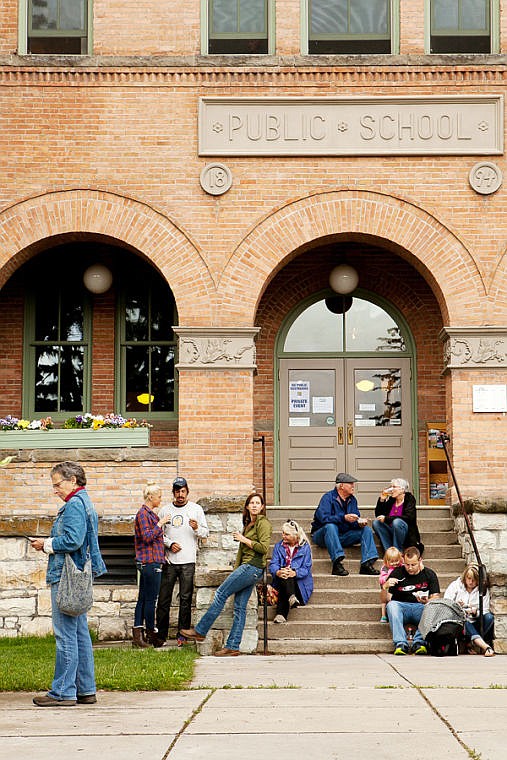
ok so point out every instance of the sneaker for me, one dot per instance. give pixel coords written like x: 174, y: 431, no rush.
x: 279, y: 619
x: 293, y: 601
x: 400, y: 650
x: 181, y: 640
x: 338, y: 568
x: 384, y: 619
x: 421, y: 649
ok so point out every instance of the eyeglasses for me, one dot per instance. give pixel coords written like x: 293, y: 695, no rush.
x: 57, y: 485
x: 292, y: 523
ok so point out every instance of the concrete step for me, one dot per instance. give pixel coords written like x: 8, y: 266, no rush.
x: 328, y: 611
x: 426, y: 524
x: 328, y: 646
x: 331, y: 629
x: 326, y: 581
x: 433, y: 554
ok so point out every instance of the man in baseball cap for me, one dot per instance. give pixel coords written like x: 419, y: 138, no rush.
x: 182, y: 532
x: 337, y: 522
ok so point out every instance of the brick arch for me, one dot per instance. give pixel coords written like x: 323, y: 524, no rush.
x: 433, y: 249
x: 498, y: 293
x: 122, y: 220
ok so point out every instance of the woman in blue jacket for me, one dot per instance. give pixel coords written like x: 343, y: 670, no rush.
x: 291, y: 568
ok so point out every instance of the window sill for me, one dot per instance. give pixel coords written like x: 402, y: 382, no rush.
x: 74, y: 438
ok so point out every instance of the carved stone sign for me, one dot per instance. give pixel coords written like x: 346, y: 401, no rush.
x: 216, y: 348
x: 474, y: 347
x: 437, y: 125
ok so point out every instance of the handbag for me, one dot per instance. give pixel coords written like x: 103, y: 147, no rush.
x: 270, y: 592
x: 75, y: 589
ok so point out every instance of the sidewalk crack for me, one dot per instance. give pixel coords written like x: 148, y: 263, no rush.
x: 188, y: 721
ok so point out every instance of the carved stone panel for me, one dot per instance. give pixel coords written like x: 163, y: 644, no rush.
x: 479, y: 347
x: 216, y: 348
x: 382, y: 125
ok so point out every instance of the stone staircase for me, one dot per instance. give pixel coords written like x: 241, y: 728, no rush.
x: 343, y: 614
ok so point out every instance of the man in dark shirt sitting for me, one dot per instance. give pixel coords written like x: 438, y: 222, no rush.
x: 409, y: 587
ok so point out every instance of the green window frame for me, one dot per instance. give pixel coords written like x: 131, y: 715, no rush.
x: 146, y: 347
x: 55, y: 27
x: 228, y: 27
x: 57, y: 364
x: 462, y: 26
x: 347, y: 27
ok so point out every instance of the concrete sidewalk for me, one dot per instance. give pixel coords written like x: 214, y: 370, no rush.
x: 325, y: 706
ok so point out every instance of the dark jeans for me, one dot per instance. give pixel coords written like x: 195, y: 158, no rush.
x: 149, y: 584
x: 184, y: 574
x: 287, y: 587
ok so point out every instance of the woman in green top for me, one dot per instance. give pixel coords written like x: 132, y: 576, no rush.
x: 250, y: 561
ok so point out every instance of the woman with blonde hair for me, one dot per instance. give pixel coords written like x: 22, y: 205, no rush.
x: 465, y: 592
x: 149, y: 548
x: 291, y: 568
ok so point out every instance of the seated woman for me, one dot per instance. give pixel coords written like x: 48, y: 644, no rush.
x: 396, y: 517
x: 291, y: 568
x: 465, y: 592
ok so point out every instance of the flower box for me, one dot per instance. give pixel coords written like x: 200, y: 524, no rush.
x: 77, y: 438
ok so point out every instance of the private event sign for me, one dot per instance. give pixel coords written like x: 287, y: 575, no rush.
x: 438, y: 125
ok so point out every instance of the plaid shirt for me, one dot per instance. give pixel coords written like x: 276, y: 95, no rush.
x: 149, y: 538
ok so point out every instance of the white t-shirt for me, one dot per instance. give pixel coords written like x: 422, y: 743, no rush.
x: 178, y: 530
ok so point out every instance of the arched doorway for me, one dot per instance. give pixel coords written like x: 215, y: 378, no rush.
x: 345, y: 397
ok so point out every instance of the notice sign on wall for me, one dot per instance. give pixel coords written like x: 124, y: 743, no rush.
x: 490, y: 398
x: 299, y: 396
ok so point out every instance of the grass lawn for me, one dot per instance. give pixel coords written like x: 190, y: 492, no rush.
x: 27, y: 663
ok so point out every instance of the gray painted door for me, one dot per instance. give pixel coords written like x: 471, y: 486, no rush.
x: 351, y: 415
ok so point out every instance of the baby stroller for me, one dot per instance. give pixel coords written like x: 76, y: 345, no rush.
x: 442, y: 625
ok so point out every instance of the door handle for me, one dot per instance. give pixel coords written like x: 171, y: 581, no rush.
x: 340, y: 436
x: 350, y: 433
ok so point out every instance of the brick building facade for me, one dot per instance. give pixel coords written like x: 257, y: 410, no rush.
x: 101, y: 162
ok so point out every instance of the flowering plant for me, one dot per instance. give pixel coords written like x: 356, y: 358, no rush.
x: 13, y: 423
x: 97, y: 421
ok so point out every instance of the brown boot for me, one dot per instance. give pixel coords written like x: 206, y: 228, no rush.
x: 153, y: 639
x: 137, y: 638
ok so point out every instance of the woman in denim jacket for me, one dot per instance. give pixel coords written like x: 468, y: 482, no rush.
x: 75, y: 531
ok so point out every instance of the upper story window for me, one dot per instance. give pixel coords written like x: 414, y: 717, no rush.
x: 460, y: 26
x: 238, y: 26
x: 340, y: 27
x: 57, y: 27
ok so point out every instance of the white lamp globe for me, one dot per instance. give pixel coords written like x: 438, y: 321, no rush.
x: 97, y: 278
x: 343, y: 279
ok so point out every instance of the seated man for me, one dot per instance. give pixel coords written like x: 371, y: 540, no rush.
x: 338, y: 523
x: 408, y: 588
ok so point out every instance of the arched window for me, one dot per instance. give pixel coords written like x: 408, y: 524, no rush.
x: 365, y: 327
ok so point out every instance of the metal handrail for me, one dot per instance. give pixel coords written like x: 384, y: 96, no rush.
x: 262, y: 440
x: 444, y: 439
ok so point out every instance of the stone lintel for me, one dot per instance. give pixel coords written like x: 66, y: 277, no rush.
x: 216, y: 347
x: 120, y: 454
x: 474, y: 347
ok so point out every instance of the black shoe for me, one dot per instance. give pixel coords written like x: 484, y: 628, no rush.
x: 86, y: 699
x: 338, y: 568
x: 367, y: 568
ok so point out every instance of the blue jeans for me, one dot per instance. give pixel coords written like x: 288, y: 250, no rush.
x: 74, y: 667
x: 472, y: 629
x: 391, y: 535
x: 149, y: 585
x: 329, y: 537
x: 240, y: 583
x: 400, y: 614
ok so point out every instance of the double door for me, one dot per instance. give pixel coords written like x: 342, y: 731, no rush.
x: 343, y: 415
